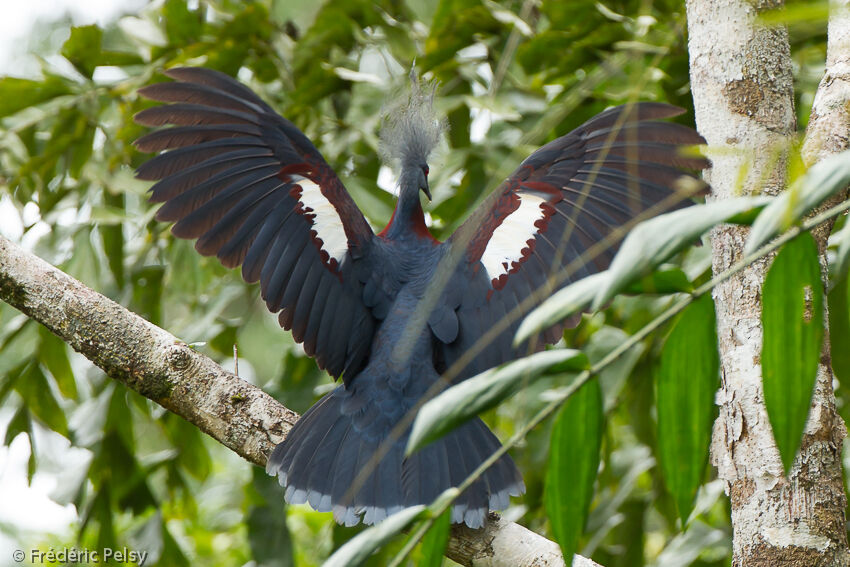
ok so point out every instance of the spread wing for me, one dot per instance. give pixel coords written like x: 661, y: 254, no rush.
x: 256, y: 192
x: 558, y: 218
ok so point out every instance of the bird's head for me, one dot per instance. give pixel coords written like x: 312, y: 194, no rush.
x: 423, y: 180
x: 410, y: 132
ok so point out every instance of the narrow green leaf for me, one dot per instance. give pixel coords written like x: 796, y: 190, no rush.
x: 662, y: 282
x: 686, y: 381
x: 113, y: 237
x: 821, y: 181
x: 118, y: 418
x: 792, y: 318
x: 435, y: 540
x: 171, y: 550
x: 20, y: 424
x: 34, y: 389
x: 559, y: 306
x: 841, y: 264
x: 361, y: 546
x: 463, y: 401
x: 573, y: 463
x: 17, y: 94
x: 101, y: 511
x: 839, y: 331
x: 119, y: 59
x: 53, y: 353
x: 655, y: 240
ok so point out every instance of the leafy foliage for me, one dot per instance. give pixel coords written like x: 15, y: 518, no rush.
x: 687, y: 378
x: 514, y: 75
x: 792, y: 315
x: 573, y: 463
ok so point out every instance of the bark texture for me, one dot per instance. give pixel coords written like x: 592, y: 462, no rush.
x: 828, y: 131
x: 743, y: 95
x: 240, y: 416
x: 505, y: 543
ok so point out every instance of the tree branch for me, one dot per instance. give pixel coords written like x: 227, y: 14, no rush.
x: 238, y: 415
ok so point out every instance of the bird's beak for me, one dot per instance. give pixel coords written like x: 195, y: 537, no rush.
x: 426, y: 190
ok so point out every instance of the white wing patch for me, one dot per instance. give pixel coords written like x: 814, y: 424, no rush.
x: 326, y: 221
x: 512, y: 236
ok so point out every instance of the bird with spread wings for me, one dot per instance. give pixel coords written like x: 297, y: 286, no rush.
x: 398, y: 314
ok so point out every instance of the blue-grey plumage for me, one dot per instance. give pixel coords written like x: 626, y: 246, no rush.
x: 255, y: 192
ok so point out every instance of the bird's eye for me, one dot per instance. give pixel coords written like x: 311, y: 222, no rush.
x: 425, y: 170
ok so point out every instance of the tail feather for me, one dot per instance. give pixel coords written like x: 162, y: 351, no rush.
x: 390, y: 497
x: 475, y: 493
x: 357, y: 495
x: 503, y: 477
x: 477, y: 444
x: 280, y: 461
x: 337, y: 465
x: 343, y: 474
x: 328, y: 449
x: 299, y: 469
x: 320, y: 483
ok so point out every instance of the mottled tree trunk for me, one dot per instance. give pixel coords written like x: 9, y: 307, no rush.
x: 743, y: 96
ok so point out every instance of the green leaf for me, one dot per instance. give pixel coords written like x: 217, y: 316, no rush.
x: 182, y: 25
x: 53, y: 353
x: 559, y: 306
x: 686, y: 381
x: 839, y: 331
x: 119, y: 59
x: 361, y: 546
x: 573, y: 463
x: 435, y: 540
x: 113, y: 237
x: 463, y: 401
x: 841, y: 264
x: 83, y: 48
x: 172, y: 554
x: 34, y: 389
x: 17, y: 94
x: 147, y: 292
x: 8, y: 379
x: 119, y: 419
x: 792, y: 319
x: 655, y: 240
x: 662, y: 282
x: 20, y: 424
x: 225, y: 340
x: 821, y: 181
x: 101, y: 511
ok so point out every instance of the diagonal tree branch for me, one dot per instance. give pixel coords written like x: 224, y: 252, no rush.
x: 240, y: 416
